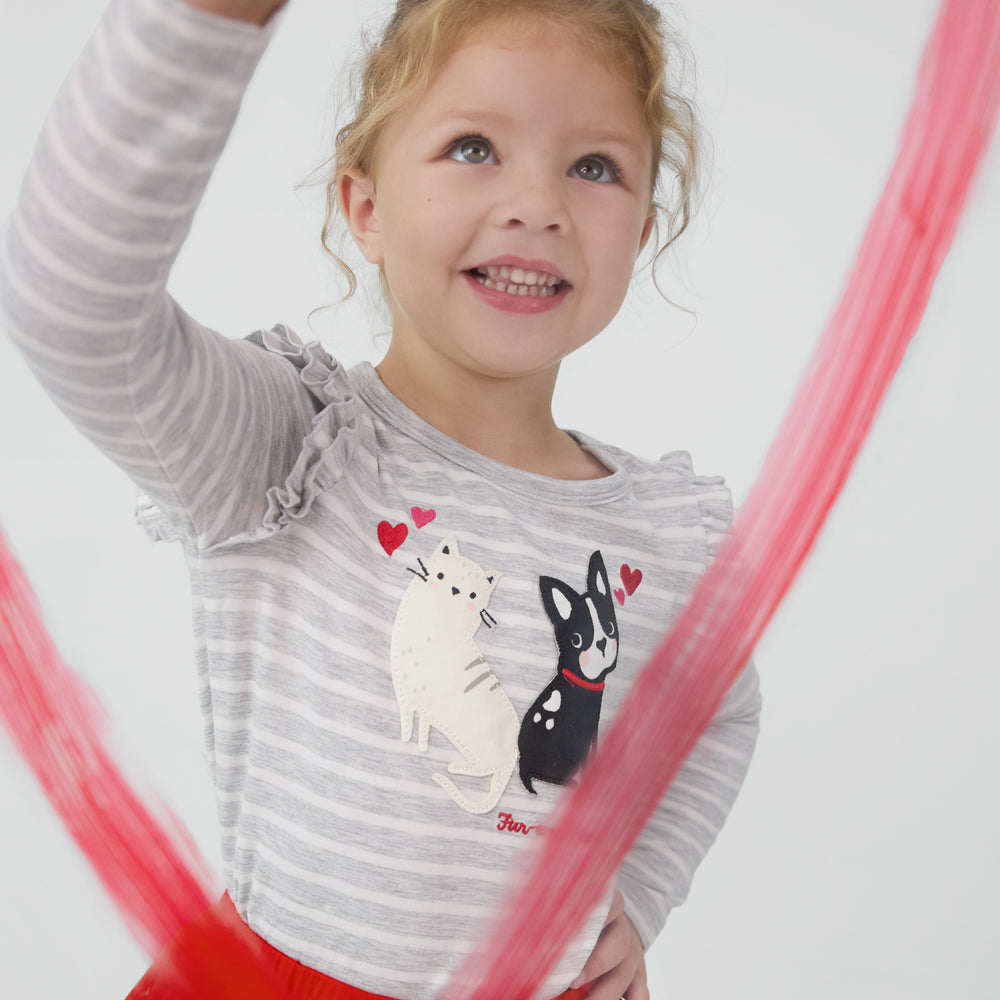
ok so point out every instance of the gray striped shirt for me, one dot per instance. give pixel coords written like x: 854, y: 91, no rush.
x: 400, y: 643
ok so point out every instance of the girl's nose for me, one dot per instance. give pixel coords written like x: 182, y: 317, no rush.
x: 534, y: 202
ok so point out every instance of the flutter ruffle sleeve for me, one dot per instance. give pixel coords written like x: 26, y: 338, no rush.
x: 320, y: 457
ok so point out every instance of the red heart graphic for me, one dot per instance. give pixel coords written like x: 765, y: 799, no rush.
x: 620, y: 596
x: 421, y: 516
x: 631, y: 578
x: 392, y: 536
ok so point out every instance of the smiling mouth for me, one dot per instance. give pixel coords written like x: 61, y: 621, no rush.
x: 518, y: 281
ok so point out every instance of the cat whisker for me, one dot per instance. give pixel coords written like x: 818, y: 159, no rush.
x: 488, y: 620
x: 422, y: 572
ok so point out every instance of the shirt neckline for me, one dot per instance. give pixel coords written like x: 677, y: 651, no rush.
x: 378, y: 398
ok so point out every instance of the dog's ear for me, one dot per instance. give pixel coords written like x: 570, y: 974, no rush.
x: 558, y: 599
x: 598, y: 584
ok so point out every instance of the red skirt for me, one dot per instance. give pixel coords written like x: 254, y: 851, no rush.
x: 218, y: 957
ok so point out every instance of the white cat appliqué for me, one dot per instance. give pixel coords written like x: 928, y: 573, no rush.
x: 439, y: 673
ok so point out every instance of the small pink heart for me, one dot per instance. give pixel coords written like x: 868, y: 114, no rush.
x: 421, y: 516
x: 392, y: 536
x: 631, y: 578
x: 620, y: 596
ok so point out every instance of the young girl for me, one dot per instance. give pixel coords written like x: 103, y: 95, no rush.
x: 416, y: 598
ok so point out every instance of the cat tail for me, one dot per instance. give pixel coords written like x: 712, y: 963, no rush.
x: 498, y: 785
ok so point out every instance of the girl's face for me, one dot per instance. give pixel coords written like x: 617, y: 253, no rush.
x: 509, y: 204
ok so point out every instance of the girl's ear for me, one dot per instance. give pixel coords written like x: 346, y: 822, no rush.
x: 646, y: 230
x: 356, y: 199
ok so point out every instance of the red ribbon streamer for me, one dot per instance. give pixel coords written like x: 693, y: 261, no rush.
x: 681, y: 687
x: 149, y: 866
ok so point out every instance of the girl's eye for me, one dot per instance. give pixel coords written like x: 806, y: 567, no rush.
x: 596, y: 168
x: 473, y: 149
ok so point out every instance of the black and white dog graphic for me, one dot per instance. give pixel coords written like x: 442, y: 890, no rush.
x: 560, y: 728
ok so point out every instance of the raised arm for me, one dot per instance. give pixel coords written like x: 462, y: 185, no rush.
x: 202, y: 423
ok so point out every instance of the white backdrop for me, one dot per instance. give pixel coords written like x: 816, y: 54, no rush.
x: 861, y: 860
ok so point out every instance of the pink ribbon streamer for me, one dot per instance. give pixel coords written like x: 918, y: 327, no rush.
x: 148, y: 865
x: 681, y: 687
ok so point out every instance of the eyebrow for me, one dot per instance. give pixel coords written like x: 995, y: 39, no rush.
x: 472, y: 114
x: 618, y: 139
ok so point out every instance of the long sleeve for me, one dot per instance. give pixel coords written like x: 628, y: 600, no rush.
x: 657, y: 873
x: 121, y: 164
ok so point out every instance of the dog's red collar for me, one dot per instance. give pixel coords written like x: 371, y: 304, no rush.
x: 580, y: 682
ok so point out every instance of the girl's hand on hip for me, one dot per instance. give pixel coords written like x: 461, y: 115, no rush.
x: 254, y: 11
x: 617, y: 965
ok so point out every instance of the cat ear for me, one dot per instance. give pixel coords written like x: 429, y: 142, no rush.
x: 449, y: 547
x: 493, y: 578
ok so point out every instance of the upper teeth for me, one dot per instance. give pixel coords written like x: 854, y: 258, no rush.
x: 519, y: 276
x: 517, y: 280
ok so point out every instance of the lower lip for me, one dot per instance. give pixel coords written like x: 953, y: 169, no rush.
x: 524, y: 304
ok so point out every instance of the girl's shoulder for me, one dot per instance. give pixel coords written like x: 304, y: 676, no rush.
x: 670, y: 477
x: 673, y: 467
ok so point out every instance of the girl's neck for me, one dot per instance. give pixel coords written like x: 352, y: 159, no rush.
x: 506, y: 419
